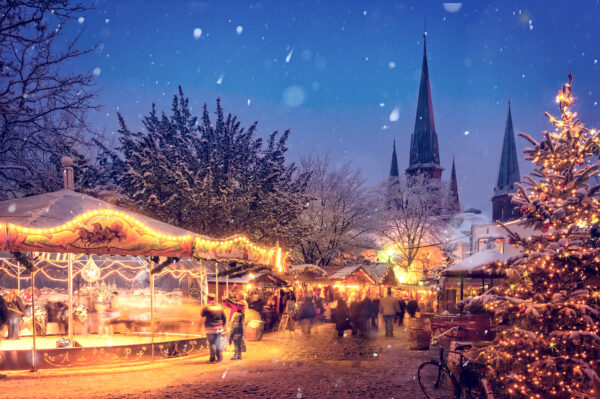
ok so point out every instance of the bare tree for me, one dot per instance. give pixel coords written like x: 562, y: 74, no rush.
x: 340, y: 214
x: 409, y: 217
x: 42, y: 107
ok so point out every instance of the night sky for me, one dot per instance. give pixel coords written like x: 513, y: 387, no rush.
x: 344, y: 75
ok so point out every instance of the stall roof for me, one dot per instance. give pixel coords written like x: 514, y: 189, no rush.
x: 474, y: 264
x: 308, y: 268
x: 344, y: 272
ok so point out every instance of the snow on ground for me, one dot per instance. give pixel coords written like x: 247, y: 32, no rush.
x: 316, y: 366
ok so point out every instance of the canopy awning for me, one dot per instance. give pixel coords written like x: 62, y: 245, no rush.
x: 474, y: 265
x: 68, y: 222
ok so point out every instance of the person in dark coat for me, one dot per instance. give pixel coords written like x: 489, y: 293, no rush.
x: 306, y: 315
x: 412, y: 307
x: 237, y: 333
x: 374, y: 312
x: 341, y: 317
x: 359, y: 316
x: 214, y: 325
x: 400, y: 314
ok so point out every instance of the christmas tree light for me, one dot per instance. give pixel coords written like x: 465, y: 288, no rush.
x: 548, y: 310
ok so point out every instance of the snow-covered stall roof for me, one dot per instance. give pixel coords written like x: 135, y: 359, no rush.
x: 352, y: 274
x: 473, y: 266
x: 308, y: 268
x: 344, y: 272
x: 377, y: 271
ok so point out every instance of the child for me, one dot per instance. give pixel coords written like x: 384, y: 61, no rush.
x: 237, y: 333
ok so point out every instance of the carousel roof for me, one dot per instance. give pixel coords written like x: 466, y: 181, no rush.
x: 474, y: 265
x: 59, y: 207
x: 69, y: 222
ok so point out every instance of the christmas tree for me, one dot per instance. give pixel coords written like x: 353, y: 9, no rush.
x: 547, y: 311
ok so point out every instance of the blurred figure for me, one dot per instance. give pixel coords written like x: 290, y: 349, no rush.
x: 359, y: 316
x: 400, y: 314
x: 237, y: 333
x: 290, y: 305
x: 15, y: 314
x: 341, y: 317
x: 214, y: 324
x: 306, y: 314
x: 388, y: 306
x: 412, y: 307
x: 374, y: 312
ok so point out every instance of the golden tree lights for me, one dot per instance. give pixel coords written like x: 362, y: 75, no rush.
x: 548, y: 312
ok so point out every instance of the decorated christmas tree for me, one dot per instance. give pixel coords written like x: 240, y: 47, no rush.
x: 547, y: 311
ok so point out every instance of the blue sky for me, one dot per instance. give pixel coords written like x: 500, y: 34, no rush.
x: 334, y: 72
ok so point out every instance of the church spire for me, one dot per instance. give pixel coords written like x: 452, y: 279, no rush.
x: 424, y: 152
x: 508, y: 174
x: 453, y: 204
x: 394, y: 167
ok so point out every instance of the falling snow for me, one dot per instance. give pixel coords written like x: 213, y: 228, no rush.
x: 197, y: 33
x: 239, y: 29
x: 395, y: 115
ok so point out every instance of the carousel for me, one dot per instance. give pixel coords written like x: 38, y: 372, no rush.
x: 101, y: 285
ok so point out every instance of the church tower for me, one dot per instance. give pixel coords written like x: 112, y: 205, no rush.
x: 453, y: 201
x: 394, y: 168
x: 424, y: 153
x: 508, y: 175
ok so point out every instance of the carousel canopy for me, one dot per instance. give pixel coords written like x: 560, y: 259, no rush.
x: 68, y: 222
x: 474, y: 265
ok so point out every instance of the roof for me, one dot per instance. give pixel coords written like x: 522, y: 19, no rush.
x: 59, y: 207
x: 424, y: 142
x: 508, y: 173
x: 344, y: 272
x: 299, y: 269
x: 376, y: 271
x: 474, y: 264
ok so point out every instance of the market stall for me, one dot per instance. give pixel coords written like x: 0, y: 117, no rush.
x: 469, y: 277
x: 351, y: 282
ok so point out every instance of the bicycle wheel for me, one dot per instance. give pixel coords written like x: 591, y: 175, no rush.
x: 435, y: 381
x: 476, y: 391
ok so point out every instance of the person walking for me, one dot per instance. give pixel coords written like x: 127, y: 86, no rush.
x: 400, y: 314
x: 374, y: 313
x: 341, y: 317
x: 306, y: 314
x: 214, y: 325
x: 15, y: 314
x: 237, y: 333
x: 412, y: 307
x: 388, y: 307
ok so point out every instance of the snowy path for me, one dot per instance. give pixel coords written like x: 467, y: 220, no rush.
x: 317, y: 366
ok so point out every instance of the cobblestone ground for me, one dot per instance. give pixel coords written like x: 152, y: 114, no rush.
x: 316, y: 366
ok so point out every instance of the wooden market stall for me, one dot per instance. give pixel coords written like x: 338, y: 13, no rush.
x: 469, y: 277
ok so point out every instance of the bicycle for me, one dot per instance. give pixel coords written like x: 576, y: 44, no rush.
x: 438, y: 381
